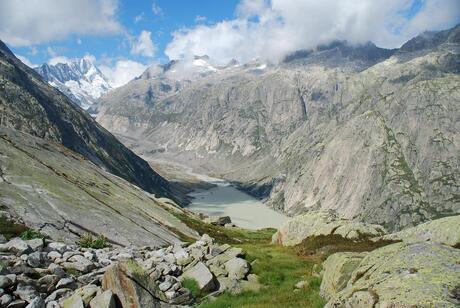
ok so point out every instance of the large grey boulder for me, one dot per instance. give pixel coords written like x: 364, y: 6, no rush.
x: 317, y: 223
x: 132, y: 285
x: 218, y: 220
x: 237, y: 268
x: 202, y: 275
x: 422, y: 274
x: 16, y: 245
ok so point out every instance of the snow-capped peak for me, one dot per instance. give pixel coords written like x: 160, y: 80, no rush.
x: 79, y: 79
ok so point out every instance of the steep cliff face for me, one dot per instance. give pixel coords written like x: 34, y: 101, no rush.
x: 371, y: 133
x: 29, y: 104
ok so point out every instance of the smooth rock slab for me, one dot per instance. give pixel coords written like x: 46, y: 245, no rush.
x: 404, y: 275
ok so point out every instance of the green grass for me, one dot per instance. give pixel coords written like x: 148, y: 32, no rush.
x: 31, y: 235
x: 87, y: 241
x: 279, y: 269
x: 193, y: 286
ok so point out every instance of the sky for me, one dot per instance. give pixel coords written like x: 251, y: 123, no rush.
x: 125, y: 37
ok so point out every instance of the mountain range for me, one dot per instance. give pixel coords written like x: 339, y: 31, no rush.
x: 79, y: 79
x: 369, y: 132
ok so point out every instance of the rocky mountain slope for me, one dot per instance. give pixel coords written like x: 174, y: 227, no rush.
x: 79, y: 79
x: 368, y: 132
x: 63, y: 195
x: 30, y: 105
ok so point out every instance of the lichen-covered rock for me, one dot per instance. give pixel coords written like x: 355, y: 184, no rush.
x: 422, y: 274
x: 316, y: 223
x: 444, y: 230
x: 337, y: 271
x: 132, y: 285
x: 237, y: 268
x: 104, y: 300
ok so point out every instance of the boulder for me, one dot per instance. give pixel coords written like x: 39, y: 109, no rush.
x: 422, y: 274
x: 337, y: 271
x: 444, y: 230
x: 202, y: 275
x: 79, y: 263
x: 26, y: 292
x: 75, y: 301
x: 17, y: 246
x: 237, y: 268
x: 317, y: 223
x: 38, y: 302
x: 5, y: 282
x: 36, y: 259
x: 104, y: 300
x: 218, y: 220
x: 19, y: 303
x: 132, y: 285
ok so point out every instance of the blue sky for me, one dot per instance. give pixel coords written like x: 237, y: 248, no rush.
x: 125, y: 37
x: 136, y: 16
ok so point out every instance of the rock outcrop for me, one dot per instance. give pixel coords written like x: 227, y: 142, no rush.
x: 317, y: 223
x: 422, y: 274
x: 337, y: 272
x: 444, y: 230
x: 328, y: 129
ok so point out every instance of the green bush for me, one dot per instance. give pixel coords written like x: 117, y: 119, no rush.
x: 31, y: 234
x: 87, y: 241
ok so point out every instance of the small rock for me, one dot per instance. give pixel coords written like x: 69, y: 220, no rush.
x: 66, y: 283
x: 59, y: 247
x: 26, y: 292
x: 301, y: 284
x: 79, y: 263
x: 38, y: 302
x: 35, y: 244
x: 53, y: 255
x: 5, y: 282
x: 17, y: 246
x: 57, y: 270
x: 104, y: 300
x: 164, y: 286
x: 36, y: 259
x: 237, y: 268
x: 2, y: 239
x: 218, y: 220
x: 17, y: 304
x: 5, y: 300
x: 75, y: 301
x: 87, y: 293
x: 58, y: 294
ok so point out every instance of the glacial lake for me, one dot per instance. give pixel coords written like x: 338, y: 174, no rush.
x: 244, y: 210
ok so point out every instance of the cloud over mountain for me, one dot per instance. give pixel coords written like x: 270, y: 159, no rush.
x: 271, y: 29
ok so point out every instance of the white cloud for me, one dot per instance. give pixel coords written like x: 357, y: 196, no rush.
x: 144, y: 45
x: 122, y: 72
x: 58, y: 59
x: 29, y: 22
x: 156, y: 9
x: 199, y: 18
x: 271, y: 29
x: 26, y: 61
x: 139, y: 17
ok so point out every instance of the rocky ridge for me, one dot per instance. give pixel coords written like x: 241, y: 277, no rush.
x: 279, y: 131
x: 42, y: 273
x: 79, y: 79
